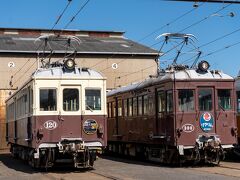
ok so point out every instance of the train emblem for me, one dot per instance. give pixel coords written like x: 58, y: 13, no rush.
x: 206, y: 121
x: 90, y: 126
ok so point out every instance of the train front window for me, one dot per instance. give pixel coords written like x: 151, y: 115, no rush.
x: 205, y: 99
x: 70, y: 100
x: 93, y: 99
x: 185, y: 100
x: 224, y: 99
x: 48, y: 100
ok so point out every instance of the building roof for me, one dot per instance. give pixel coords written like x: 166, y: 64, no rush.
x: 92, y: 42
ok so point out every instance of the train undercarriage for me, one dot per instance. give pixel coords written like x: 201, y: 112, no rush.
x: 206, y: 152
x: 72, y: 152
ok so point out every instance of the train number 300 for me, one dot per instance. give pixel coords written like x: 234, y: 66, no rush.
x: 50, y: 125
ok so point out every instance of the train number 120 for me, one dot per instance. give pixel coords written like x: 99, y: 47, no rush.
x: 50, y: 125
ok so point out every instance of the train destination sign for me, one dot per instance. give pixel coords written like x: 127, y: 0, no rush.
x: 206, y: 121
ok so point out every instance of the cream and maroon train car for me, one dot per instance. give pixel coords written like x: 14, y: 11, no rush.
x: 184, y: 114
x: 59, y: 115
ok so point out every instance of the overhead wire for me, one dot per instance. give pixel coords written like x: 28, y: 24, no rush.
x: 76, y: 14
x: 59, y: 17
x: 194, y: 24
x: 171, y: 22
x: 158, y: 29
x: 57, y: 21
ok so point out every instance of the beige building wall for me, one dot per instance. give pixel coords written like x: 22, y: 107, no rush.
x: 3, y: 95
x: 119, y: 71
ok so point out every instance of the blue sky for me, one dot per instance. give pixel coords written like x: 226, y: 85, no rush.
x: 138, y: 18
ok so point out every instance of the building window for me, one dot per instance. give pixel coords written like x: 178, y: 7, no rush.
x: 70, y: 100
x: 161, y: 101
x: 205, y: 99
x: 93, y: 99
x: 169, y: 101
x: 48, y: 100
x: 224, y: 99
x: 139, y: 99
x: 185, y: 100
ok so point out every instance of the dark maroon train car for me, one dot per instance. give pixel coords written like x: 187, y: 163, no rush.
x: 59, y: 115
x: 183, y: 114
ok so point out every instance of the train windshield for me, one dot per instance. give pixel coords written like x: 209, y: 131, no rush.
x: 224, y: 99
x: 70, y: 100
x: 48, y: 100
x: 205, y: 99
x: 186, y: 100
x: 93, y: 99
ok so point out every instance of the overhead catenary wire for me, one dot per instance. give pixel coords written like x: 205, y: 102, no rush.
x: 57, y: 21
x: 76, y: 14
x: 59, y: 17
x: 158, y: 29
x: 171, y: 22
x: 205, y: 18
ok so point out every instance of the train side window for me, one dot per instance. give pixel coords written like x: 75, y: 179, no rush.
x: 125, y: 107
x: 161, y: 102
x: 238, y: 101
x: 93, y: 99
x: 110, y: 109
x: 224, y: 99
x: 134, y: 106
x: 185, y: 100
x: 119, y: 107
x: 145, y: 104
x: 169, y: 101
x: 30, y: 100
x: 140, y: 105
x: 70, y: 99
x: 48, y: 100
x: 205, y: 99
x: 130, y: 107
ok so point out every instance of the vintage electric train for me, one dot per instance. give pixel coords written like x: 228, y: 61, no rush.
x: 238, y: 108
x: 59, y: 115
x: 183, y: 115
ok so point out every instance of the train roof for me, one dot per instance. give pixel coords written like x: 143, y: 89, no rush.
x: 186, y: 74
x: 60, y: 72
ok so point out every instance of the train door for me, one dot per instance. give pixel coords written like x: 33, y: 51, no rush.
x: 225, y: 115
x: 185, y: 116
x: 206, y: 110
x: 70, y: 112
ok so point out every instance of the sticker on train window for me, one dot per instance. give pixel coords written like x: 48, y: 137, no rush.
x: 206, y: 121
x: 50, y: 125
x: 90, y: 126
x: 188, y: 128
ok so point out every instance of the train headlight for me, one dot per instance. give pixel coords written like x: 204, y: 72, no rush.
x: 69, y: 64
x: 203, y: 66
